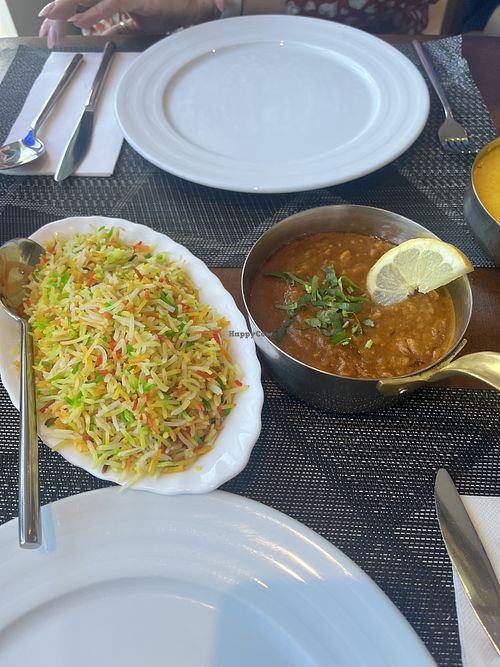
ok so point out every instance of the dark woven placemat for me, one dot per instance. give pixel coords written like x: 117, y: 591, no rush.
x: 424, y: 184
x: 363, y: 482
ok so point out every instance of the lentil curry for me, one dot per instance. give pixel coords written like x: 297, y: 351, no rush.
x: 310, y: 299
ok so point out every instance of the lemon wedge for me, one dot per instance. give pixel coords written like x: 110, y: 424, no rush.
x: 417, y: 264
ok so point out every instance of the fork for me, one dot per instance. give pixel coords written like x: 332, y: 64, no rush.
x: 452, y: 135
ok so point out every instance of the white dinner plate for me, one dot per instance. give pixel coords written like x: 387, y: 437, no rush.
x: 271, y: 103
x: 134, y: 579
x: 241, y: 427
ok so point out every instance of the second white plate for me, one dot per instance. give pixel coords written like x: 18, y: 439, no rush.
x: 271, y: 104
x: 131, y: 579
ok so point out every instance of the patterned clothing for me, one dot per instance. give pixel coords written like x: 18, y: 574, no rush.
x: 379, y: 16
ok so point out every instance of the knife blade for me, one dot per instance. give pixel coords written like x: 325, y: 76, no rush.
x: 468, y: 556
x: 79, y: 141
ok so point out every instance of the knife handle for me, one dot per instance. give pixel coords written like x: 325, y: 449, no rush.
x: 468, y: 556
x: 97, y: 84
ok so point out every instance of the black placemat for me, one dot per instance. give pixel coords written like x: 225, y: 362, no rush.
x: 364, y: 482
x: 425, y: 184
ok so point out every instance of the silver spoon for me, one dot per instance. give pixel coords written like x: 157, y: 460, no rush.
x: 18, y: 258
x: 31, y: 147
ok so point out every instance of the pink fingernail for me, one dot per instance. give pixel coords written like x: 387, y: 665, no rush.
x: 45, y: 10
x: 73, y: 18
x: 44, y: 28
x: 51, y: 42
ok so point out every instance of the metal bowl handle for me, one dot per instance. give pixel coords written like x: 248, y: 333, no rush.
x: 483, y: 366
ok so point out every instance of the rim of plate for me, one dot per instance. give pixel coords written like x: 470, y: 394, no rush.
x: 401, y: 90
x: 228, y: 543
x: 242, y: 427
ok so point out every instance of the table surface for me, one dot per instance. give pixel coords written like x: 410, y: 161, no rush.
x: 480, y: 52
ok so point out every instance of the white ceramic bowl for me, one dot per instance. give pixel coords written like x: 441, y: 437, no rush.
x: 241, y: 429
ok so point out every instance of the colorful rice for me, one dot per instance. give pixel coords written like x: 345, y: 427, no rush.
x: 129, y: 363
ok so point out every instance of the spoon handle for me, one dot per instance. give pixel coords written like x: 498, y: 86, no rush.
x: 30, y: 532
x: 57, y: 92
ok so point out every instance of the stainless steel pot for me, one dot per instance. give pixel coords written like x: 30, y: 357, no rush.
x: 335, y: 392
x: 483, y: 225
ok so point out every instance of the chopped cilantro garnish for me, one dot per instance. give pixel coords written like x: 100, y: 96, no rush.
x: 336, y: 300
x: 281, y: 330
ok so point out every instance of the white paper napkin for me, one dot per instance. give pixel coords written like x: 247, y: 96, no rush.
x: 477, y: 650
x: 107, y: 137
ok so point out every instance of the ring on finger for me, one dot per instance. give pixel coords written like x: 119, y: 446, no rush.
x: 125, y: 26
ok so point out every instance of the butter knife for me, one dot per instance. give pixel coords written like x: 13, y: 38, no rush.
x: 468, y: 556
x: 82, y: 135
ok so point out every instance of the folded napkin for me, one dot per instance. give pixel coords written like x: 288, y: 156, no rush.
x: 107, y: 137
x: 477, y: 650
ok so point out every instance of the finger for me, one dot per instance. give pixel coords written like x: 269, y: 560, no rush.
x: 44, y: 28
x: 151, y: 25
x: 102, y: 10
x: 51, y: 38
x: 60, y: 10
x: 45, y: 10
x: 57, y: 30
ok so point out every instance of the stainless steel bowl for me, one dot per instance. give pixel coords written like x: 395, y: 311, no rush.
x: 483, y: 225
x: 335, y: 392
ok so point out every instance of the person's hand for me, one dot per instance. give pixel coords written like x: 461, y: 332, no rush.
x: 147, y: 16
x: 54, y: 31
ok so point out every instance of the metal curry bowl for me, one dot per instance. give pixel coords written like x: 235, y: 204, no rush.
x: 483, y: 224
x: 340, y: 393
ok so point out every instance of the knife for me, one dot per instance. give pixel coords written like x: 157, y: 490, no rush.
x: 468, y: 556
x: 80, y: 139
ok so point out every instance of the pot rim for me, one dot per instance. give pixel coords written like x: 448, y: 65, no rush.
x: 402, y: 218
x: 494, y: 143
